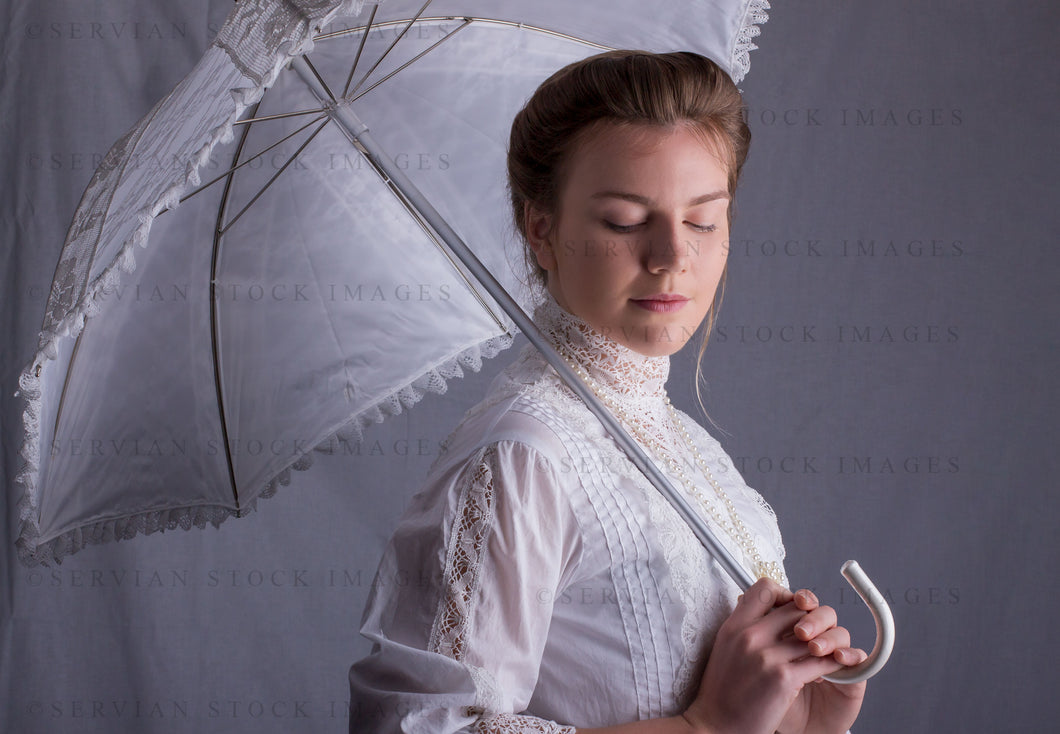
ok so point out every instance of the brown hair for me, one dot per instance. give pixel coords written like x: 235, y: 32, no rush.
x: 627, y: 88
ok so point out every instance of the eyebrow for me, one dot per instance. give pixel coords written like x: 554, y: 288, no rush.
x: 644, y: 200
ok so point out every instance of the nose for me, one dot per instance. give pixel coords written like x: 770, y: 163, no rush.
x: 667, y: 250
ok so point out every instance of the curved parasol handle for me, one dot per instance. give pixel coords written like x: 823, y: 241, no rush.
x: 884, y: 628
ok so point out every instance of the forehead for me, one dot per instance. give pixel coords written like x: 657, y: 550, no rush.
x: 683, y: 155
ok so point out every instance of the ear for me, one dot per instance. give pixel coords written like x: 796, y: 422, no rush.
x: 538, y: 226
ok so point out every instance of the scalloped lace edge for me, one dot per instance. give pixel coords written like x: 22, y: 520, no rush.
x: 740, y: 59
x: 32, y: 552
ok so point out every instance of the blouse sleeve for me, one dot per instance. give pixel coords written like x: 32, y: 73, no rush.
x: 461, y: 605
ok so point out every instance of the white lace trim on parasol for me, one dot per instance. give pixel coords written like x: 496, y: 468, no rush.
x: 274, y: 39
x: 54, y: 550
x: 740, y: 60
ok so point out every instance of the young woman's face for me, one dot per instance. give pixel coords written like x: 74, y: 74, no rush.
x: 639, y: 241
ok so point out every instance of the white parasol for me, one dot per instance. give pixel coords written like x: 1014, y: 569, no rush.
x: 317, y: 280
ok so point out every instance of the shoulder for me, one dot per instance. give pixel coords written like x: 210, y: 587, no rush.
x: 520, y: 452
x: 511, y: 436
x: 526, y: 405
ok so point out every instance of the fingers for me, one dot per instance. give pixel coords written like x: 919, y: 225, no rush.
x: 829, y: 641
x: 779, y: 614
x: 759, y: 600
x: 811, y: 668
x: 815, y: 622
x: 806, y: 667
x: 842, y: 658
x: 806, y: 600
x: 831, y: 654
x: 820, y: 631
x: 814, y: 632
x: 850, y: 655
x: 824, y: 645
x: 804, y: 628
x: 766, y: 594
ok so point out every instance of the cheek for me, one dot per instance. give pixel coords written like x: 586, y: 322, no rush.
x: 597, y: 265
x: 711, y: 259
x: 722, y: 248
x: 591, y: 277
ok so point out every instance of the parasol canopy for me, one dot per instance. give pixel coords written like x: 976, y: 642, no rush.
x: 207, y: 328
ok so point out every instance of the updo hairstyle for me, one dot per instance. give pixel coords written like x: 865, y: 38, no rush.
x: 626, y: 88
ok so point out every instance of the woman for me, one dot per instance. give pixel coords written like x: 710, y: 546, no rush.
x: 539, y: 583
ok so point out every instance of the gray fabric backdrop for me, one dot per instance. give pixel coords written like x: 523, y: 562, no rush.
x: 883, y: 371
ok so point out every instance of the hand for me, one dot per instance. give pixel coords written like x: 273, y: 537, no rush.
x: 763, y: 674
x: 823, y: 706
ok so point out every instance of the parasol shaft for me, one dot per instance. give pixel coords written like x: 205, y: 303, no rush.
x: 357, y: 132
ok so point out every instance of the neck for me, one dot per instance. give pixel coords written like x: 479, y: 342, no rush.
x: 613, y: 366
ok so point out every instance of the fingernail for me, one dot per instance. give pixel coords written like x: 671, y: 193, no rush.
x: 805, y: 629
x: 817, y: 646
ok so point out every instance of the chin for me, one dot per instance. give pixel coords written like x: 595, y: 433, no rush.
x: 657, y: 350
x: 660, y: 337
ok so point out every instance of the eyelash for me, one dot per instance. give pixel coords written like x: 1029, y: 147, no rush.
x: 627, y: 229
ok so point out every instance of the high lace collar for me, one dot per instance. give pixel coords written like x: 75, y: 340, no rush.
x: 613, y: 366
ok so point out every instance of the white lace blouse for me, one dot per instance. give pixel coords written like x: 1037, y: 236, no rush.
x: 539, y: 582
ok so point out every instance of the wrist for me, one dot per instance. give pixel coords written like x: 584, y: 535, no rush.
x: 693, y: 725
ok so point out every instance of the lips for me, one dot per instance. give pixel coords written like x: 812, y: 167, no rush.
x: 662, y: 302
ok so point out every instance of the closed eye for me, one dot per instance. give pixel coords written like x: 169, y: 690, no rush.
x: 702, y: 227
x: 622, y: 228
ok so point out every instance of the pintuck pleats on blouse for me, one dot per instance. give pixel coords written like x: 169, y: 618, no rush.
x: 539, y: 583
